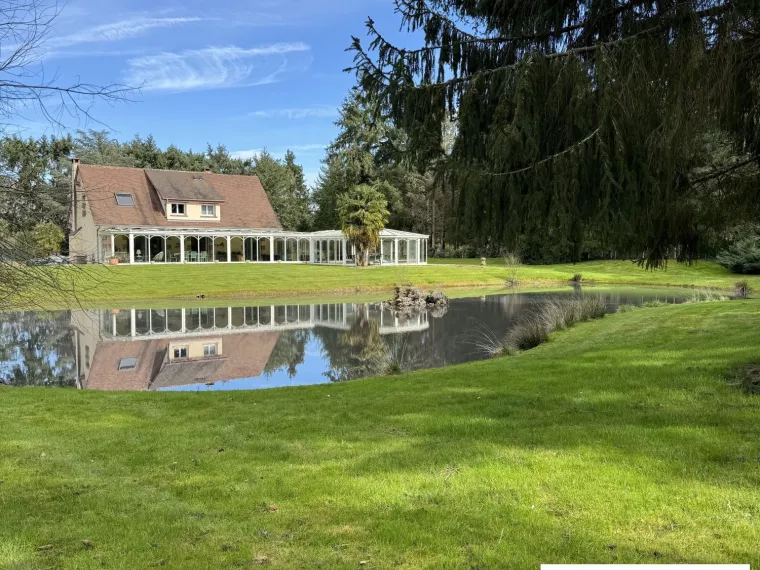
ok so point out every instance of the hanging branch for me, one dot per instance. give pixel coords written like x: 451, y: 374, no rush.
x: 536, y: 164
x: 24, y: 27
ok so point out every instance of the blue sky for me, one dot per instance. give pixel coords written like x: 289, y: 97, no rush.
x: 250, y: 74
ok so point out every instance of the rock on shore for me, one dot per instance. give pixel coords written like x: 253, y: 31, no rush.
x: 409, y: 299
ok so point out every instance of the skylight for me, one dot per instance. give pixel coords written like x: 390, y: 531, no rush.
x: 127, y: 363
x: 125, y: 199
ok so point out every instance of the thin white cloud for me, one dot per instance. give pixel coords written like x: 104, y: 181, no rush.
x: 117, y: 31
x: 246, y: 154
x: 324, y: 111
x: 298, y: 149
x: 212, y: 67
x: 307, y: 147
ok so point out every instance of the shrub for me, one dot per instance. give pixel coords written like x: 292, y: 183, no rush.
x: 742, y: 288
x: 705, y: 295
x: 512, y: 259
x: 743, y: 256
x: 47, y: 238
x: 513, y: 262
x: 482, y: 337
x: 556, y: 314
x: 577, y: 278
x: 654, y: 303
x: 594, y: 307
x: 627, y: 307
x: 527, y: 334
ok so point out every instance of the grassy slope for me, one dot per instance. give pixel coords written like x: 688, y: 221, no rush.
x: 616, y: 441
x: 217, y: 280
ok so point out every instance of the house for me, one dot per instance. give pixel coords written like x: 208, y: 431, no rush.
x: 139, y: 216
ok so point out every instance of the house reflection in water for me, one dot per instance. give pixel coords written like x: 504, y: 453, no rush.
x: 152, y: 349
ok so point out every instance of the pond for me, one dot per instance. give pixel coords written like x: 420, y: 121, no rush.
x: 246, y: 347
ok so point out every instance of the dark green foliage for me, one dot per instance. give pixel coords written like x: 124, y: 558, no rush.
x: 367, y: 150
x: 35, y: 181
x: 47, y: 238
x: 585, y: 124
x: 284, y: 184
x: 743, y: 256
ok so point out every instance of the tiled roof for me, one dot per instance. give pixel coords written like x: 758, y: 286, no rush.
x: 245, y: 204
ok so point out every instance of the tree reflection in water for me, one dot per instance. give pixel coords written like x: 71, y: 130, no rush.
x: 289, y: 352
x: 36, y: 349
x: 362, y: 351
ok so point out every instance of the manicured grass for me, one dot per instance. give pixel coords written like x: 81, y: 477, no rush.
x: 98, y: 283
x: 617, y: 441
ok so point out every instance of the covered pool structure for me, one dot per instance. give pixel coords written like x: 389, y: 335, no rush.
x: 144, y: 245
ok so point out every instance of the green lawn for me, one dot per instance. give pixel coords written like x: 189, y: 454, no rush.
x: 617, y: 441
x: 99, y: 283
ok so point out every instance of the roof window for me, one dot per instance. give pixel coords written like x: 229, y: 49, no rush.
x: 125, y: 199
x: 129, y: 363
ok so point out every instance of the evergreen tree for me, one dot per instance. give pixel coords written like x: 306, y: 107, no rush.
x: 364, y: 152
x: 579, y: 118
x: 36, y: 181
x: 286, y: 190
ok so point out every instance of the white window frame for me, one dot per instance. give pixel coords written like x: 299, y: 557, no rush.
x: 207, y: 349
x: 204, y: 208
x: 176, y: 206
x: 178, y: 350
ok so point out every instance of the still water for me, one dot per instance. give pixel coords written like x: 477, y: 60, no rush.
x: 240, y: 347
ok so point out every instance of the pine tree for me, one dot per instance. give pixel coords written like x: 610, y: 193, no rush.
x: 580, y: 118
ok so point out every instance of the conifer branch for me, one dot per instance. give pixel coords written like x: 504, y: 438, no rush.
x: 725, y: 171
x: 409, y: 13
x: 554, y: 156
x: 472, y: 39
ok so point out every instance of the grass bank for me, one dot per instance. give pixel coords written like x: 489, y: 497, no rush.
x: 617, y: 441
x: 101, y: 283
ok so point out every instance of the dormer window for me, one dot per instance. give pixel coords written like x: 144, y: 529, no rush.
x: 208, y: 210
x: 178, y: 209
x: 125, y: 199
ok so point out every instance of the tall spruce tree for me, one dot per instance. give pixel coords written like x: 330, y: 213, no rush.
x: 581, y: 118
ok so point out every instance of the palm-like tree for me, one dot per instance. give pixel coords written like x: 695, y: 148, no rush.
x: 363, y: 213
